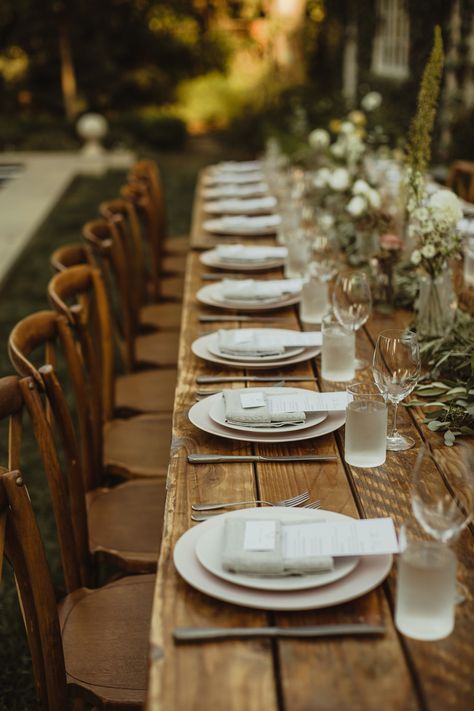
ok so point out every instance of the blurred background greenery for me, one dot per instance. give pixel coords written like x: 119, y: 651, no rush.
x: 243, y: 69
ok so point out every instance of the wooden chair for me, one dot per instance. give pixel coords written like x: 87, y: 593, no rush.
x: 134, y: 447
x: 135, y: 392
x: 92, y: 647
x: 461, y: 179
x: 122, y: 524
x: 159, y: 316
x: 156, y: 349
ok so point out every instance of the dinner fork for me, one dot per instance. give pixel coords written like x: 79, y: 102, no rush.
x: 293, y: 501
x: 206, y: 516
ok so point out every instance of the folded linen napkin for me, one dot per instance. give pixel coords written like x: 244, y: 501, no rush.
x: 246, y: 344
x: 244, y: 254
x: 257, y: 550
x: 252, y: 290
x: 228, y: 176
x: 238, y: 206
x: 238, y: 166
x: 256, y: 416
x: 247, y: 223
x: 232, y: 190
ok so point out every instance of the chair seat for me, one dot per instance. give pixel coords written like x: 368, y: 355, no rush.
x: 166, y: 316
x: 174, y: 263
x: 105, y: 635
x: 146, y: 391
x: 157, y: 348
x: 172, y: 288
x: 138, y: 447
x: 177, y: 244
x: 126, y: 523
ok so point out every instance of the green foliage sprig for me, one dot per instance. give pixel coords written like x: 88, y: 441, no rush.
x: 421, y: 129
x: 447, y: 392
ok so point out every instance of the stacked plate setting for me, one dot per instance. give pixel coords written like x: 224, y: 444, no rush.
x: 244, y: 258
x: 237, y: 294
x: 198, y: 553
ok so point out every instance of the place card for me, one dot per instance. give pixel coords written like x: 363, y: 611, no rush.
x: 260, y: 535
x: 252, y: 399
x: 339, y: 538
x: 311, y: 402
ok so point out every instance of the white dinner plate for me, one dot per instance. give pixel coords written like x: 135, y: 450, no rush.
x: 367, y: 575
x: 240, y: 206
x: 211, y: 259
x: 200, y: 418
x: 252, y: 227
x: 288, y: 353
x: 209, y: 553
x: 236, y: 166
x: 217, y: 414
x: 231, y: 190
x: 200, y: 348
x: 210, y: 295
x: 223, y: 177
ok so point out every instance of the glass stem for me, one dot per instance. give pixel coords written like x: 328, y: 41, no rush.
x: 394, y: 431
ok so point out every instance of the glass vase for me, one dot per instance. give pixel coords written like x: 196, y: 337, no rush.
x: 437, y: 304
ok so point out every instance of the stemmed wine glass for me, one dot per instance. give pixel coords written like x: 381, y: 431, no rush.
x: 352, y: 303
x: 396, y: 368
x: 444, y: 506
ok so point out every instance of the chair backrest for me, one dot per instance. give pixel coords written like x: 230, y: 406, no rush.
x: 65, y: 487
x: 25, y: 551
x: 79, y: 294
x: 123, y: 213
x: 108, y: 244
x: 138, y: 192
x: 71, y: 254
x: 461, y: 179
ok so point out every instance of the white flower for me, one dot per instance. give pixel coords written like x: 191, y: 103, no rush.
x: 337, y: 150
x: 415, y: 257
x: 319, y: 139
x: 357, y: 206
x: 339, y: 179
x: 321, y: 178
x: 445, y: 207
x: 371, y: 101
x: 360, y: 187
x: 326, y: 221
x: 428, y: 251
x: 347, y: 127
x: 374, y: 199
x: 421, y: 214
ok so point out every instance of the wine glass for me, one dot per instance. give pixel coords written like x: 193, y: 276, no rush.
x: 444, y: 505
x: 352, y: 303
x: 396, y: 368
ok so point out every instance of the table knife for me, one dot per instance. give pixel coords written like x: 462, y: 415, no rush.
x: 208, y: 318
x: 220, y: 277
x: 223, y: 458
x: 202, y: 634
x: 254, y: 379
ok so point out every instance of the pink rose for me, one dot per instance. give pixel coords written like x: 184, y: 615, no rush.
x: 391, y: 242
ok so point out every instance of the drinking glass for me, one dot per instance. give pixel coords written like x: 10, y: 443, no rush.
x: 365, y: 442
x: 314, y: 302
x: 352, y: 303
x: 442, y: 507
x: 396, y: 368
x: 338, y: 350
x: 299, y: 254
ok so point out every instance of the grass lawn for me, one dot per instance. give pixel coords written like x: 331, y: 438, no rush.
x: 23, y: 293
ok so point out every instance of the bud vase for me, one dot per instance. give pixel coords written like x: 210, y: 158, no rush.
x: 436, y: 305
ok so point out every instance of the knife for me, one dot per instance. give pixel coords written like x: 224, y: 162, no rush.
x: 202, y: 634
x: 222, y: 458
x: 220, y: 277
x: 208, y: 318
x: 254, y: 379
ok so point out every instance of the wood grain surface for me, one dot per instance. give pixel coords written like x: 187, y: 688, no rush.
x: 392, y: 672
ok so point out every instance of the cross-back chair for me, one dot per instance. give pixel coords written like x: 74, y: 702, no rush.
x: 91, y: 648
x: 154, y: 349
x: 461, y: 179
x: 148, y: 390
x: 122, y: 524
x: 135, y: 447
x: 161, y: 316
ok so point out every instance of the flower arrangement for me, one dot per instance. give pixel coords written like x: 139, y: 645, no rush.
x: 434, y: 225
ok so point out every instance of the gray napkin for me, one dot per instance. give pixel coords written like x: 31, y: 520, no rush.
x: 236, y: 558
x: 229, y: 343
x: 252, y: 290
x: 256, y: 416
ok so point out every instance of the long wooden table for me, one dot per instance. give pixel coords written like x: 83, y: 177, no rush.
x: 392, y: 672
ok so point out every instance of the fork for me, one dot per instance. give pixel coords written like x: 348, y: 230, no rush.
x: 293, y: 501
x: 205, y: 517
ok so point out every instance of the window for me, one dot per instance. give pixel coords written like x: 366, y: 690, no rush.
x: 391, y: 41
